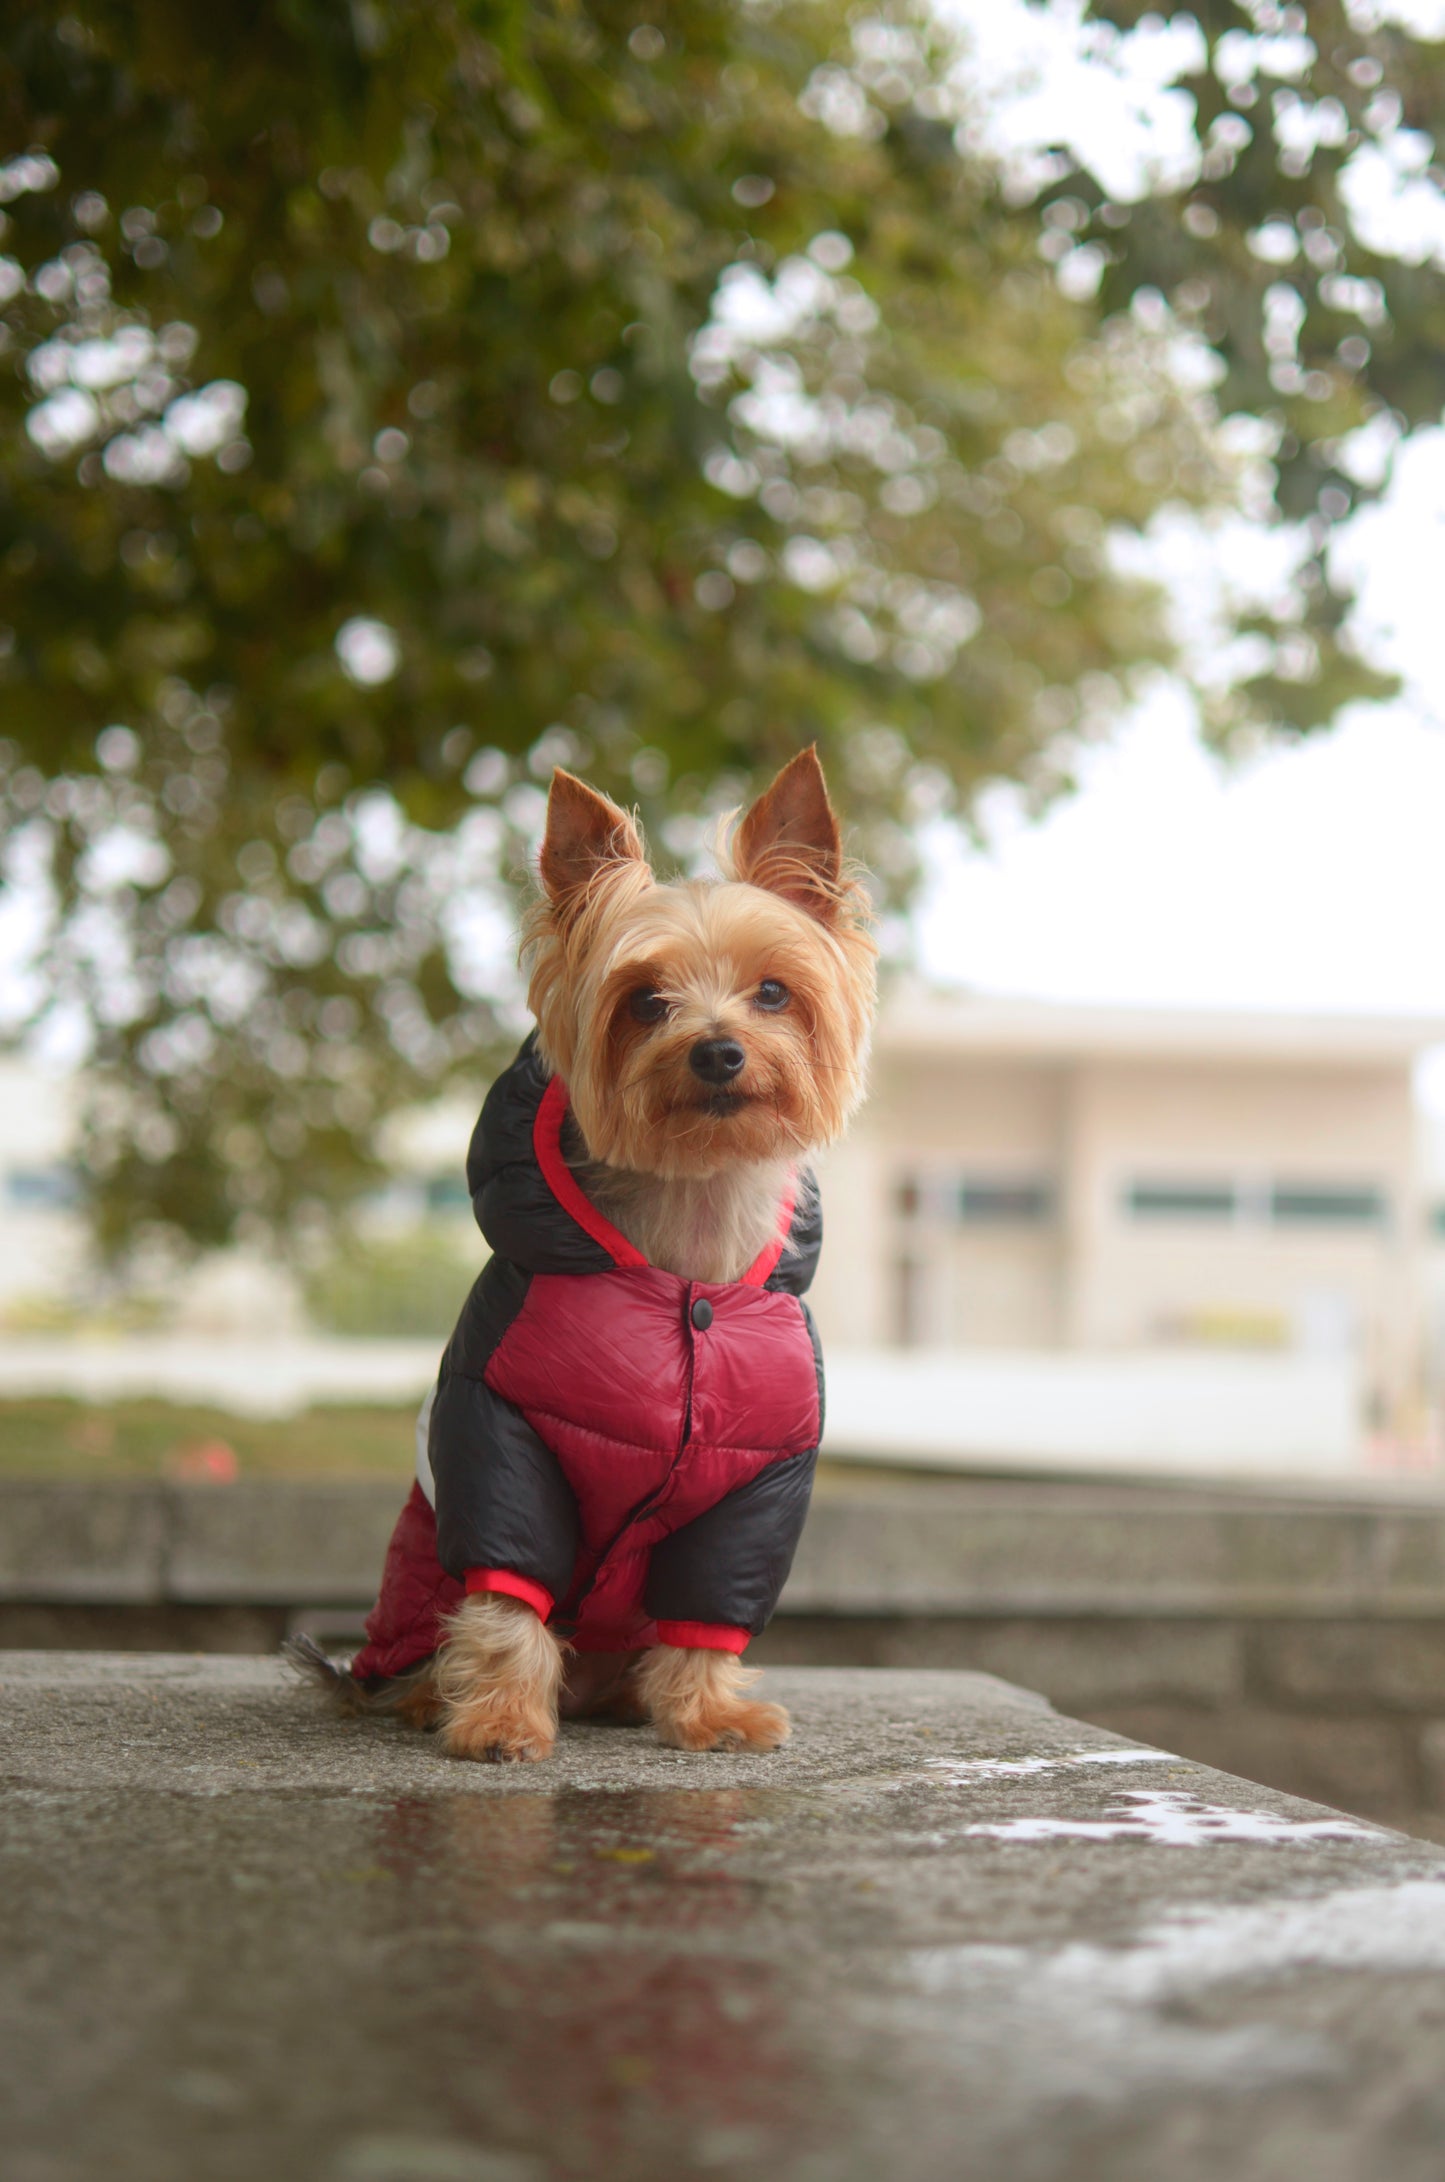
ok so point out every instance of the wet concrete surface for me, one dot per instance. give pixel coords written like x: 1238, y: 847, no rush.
x: 943, y: 1933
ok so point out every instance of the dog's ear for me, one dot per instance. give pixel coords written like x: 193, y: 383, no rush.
x: 789, y: 843
x: 585, y: 831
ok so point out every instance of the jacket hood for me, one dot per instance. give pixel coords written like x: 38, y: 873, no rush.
x: 532, y: 1210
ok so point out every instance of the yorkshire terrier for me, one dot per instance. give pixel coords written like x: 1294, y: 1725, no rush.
x: 614, y: 1467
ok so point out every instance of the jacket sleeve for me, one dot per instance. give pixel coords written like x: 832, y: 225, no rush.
x: 503, y: 1506
x: 718, y: 1578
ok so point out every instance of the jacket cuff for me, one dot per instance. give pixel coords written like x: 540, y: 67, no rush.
x: 703, y: 1636
x: 511, y: 1586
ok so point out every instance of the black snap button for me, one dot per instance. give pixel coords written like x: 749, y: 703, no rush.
x: 702, y: 1314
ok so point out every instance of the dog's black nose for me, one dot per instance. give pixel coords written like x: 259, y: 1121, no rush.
x: 717, y: 1060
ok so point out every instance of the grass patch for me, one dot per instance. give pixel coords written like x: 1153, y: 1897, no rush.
x: 48, y: 1438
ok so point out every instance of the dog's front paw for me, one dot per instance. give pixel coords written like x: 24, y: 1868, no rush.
x: 494, y: 1726
x: 491, y: 1734
x: 496, y: 1680
x: 731, y: 1727
x: 493, y: 1750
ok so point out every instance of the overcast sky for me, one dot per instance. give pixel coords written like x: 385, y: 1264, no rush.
x: 1312, y: 875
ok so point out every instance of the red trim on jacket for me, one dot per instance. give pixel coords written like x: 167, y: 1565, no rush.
x: 512, y: 1586
x: 703, y: 1636
x: 563, y: 1183
x: 568, y: 1191
x: 760, y: 1271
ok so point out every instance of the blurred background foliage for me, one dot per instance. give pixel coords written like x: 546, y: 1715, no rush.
x: 397, y: 400
x: 392, y: 1286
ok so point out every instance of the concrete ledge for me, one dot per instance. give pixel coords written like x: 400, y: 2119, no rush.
x: 943, y: 1932
x: 278, y: 1541
x: 1067, y: 1551
x: 1300, y: 1642
x: 156, y: 1543
x: 1364, y: 1731
x: 67, y: 1542
x: 927, y: 1546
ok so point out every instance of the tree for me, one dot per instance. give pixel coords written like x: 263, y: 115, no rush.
x: 1304, y: 246
x: 399, y: 401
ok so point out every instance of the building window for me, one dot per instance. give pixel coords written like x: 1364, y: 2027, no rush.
x: 1259, y: 1204
x: 42, y: 1189
x: 975, y: 1200
x: 447, y: 1193
x: 1307, y: 1205
x: 1182, y: 1200
x: 1004, y: 1204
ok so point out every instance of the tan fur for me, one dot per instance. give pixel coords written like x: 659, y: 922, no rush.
x: 497, y: 1679
x: 602, y: 1686
x: 696, y: 1701
x: 417, y: 1704
x: 704, y: 1227
x: 789, y: 842
x: 605, y: 929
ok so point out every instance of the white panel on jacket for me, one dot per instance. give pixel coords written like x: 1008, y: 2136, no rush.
x: 424, y: 1477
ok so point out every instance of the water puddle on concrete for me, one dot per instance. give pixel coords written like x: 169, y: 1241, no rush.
x: 1178, y: 1821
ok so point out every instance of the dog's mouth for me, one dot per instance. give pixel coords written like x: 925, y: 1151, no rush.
x: 721, y: 1105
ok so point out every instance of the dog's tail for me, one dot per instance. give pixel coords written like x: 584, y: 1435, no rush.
x: 304, y: 1656
x: 408, y: 1696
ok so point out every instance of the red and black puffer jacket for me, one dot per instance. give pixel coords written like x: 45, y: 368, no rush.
x: 630, y: 1452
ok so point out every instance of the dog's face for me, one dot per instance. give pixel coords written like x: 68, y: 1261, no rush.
x: 703, y: 1022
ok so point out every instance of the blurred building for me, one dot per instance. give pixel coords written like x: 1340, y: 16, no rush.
x: 1037, y: 1178
x: 42, y: 1238
x: 1055, y: 1234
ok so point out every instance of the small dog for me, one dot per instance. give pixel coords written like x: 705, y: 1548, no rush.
x: 616, y: 1462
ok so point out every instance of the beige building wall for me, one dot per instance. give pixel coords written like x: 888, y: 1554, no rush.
x: 1325, y: 1285
x: 889, y: 1272
x: 1082, y: 1129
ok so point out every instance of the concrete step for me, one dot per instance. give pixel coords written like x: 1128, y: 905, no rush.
x: 943, y: 1932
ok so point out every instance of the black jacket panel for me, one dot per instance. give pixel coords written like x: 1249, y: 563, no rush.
x: 515, y: 1209
x: 729, y: 1565
x: 497, y: 1295
x: 501, y: 1498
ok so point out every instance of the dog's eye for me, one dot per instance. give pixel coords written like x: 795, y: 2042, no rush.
x: 772, y: 996
x: 647, y: 1005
